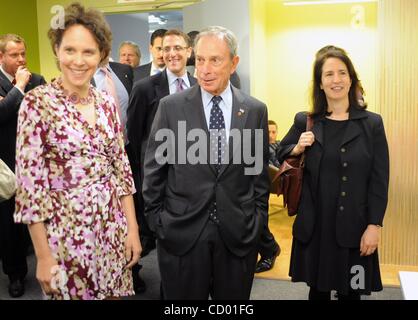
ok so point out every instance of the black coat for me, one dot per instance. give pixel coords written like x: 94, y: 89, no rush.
x: 9, y: 107
x: 143, y: 104
x: 142, y: 72
x: 364, y: 177
x: 125, y: 74
x: 178, y: 196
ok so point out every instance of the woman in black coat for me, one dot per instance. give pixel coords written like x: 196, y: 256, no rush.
x: 345, y: 185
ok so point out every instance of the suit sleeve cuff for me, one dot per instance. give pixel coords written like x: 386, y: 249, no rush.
x: 20, y: 90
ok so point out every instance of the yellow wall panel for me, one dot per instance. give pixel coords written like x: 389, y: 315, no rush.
x: 398, y: 104
x: 258, y: 49
x: 295, y: 33
x: 22, y: 11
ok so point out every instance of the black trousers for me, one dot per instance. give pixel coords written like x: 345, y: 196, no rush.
x: 209, y: 268
x: 14, y: 242
x: 267, y: 245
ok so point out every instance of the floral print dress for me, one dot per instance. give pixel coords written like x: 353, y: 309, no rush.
x: 71, y: 176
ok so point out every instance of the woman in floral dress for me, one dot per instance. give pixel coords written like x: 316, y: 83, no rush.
x: 74, y: 180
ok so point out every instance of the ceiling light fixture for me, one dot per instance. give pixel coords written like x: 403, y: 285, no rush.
x: 156, y: 19
x: 312, y: 2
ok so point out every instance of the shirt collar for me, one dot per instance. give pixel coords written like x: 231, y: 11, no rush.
x: 226, y: 96
x: 101, y: 71
x: 8, y: 75
x: 155, y: 69
x: 172, y: 78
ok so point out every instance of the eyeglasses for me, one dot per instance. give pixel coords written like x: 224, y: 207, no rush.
x: 176, y: 49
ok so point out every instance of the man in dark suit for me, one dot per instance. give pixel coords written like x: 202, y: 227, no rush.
x: 268, y: 247
x: 15, y: 81
x: 143, y: 105
x: 157, y: 64
x: 207, y: 205
x: 121, y: 76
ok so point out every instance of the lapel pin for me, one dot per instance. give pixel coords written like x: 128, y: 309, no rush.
x: 241, y: 112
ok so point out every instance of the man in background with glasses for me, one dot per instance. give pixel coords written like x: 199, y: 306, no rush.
x: 144, y: 100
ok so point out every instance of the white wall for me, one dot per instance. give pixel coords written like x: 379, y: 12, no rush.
x: 231, y: 14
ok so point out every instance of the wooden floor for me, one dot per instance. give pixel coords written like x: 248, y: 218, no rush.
x: 281, y: 226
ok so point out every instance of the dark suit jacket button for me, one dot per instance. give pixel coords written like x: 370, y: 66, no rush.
x: 345, y: 164
x: 341, y: 208
x: 344, y: 178
x: 343, y: 194
x: 343, y: 150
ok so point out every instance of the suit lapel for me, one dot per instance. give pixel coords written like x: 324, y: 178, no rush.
x: 192, y: 80
x: 161, y: 86
x: 318, y: 131
x: 352, y: 131
x: 354, y: 128
x: 123, y: 76
x: 5, y: 83
x: 148, y: 70
x: 239, y: 118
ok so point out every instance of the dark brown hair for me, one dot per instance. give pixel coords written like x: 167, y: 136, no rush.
x: 272, y: 123
x: 175, y: 32
x: 91, y: 19
x: 159, y: 33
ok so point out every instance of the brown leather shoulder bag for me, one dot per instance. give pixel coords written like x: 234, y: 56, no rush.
x: 288, y: 178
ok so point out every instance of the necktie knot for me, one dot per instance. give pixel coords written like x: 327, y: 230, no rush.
x: 14, y: 81
x: 216, y: 100
x: 179, y: 85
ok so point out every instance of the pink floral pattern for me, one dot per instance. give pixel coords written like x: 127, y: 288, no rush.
x: 70, y: 177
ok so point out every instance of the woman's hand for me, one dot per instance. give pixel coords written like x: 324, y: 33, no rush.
x: 306, y: 139
x: 46, y: 270
x: 369, y: 240
x: 133, y: 248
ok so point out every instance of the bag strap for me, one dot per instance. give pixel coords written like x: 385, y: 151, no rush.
x: 309, y: 123
x: 309, y: 126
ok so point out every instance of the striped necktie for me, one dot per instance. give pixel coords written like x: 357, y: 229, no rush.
x: 179, y: 85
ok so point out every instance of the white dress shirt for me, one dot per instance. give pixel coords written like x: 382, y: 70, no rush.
x: 225, y: 105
